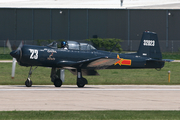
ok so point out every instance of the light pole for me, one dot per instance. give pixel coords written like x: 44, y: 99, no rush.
x: 121, y: 3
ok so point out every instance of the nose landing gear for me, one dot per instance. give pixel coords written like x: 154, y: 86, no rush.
x: 28, y: 82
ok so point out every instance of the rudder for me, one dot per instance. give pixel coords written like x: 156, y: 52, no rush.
x: 149, y: 46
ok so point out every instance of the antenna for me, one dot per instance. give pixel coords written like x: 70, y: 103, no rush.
x: 113, y: 47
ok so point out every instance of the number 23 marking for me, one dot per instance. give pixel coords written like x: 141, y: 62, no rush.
x: 34, y: 54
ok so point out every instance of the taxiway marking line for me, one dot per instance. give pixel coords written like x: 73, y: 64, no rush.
x: 89, y: 89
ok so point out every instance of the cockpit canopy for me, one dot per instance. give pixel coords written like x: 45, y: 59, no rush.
x: 73, y: 45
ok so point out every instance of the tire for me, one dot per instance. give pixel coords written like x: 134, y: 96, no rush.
x: 57, y: 82
x: 80, y: 85
x: 28, y: 83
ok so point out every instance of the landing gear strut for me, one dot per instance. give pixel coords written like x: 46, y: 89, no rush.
x: 28, y: 82
x: 80, y: 80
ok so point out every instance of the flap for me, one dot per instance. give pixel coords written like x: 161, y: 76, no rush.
x: 102, y: 63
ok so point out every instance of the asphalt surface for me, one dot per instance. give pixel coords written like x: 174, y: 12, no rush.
x: 91, y: 97
x: 5, y: 61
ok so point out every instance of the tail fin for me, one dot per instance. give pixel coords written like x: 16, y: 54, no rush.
x: 149, y: 46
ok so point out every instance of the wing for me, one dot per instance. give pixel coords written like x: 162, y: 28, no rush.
x: 89, y: 66
x: 94, y: 63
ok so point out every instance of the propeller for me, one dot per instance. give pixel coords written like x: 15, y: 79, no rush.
x: 8, y: 44
x: 13, y: 68
x: 15, y: 54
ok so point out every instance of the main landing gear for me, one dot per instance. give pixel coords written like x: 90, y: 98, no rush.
x: 57, y: 76
x: 28, y: 82
x: 80, y: 80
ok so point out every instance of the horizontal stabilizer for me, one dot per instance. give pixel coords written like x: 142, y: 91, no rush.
x: 163, y: 60
x: 167, y: 60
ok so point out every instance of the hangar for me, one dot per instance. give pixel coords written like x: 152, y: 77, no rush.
x: 78, y: 20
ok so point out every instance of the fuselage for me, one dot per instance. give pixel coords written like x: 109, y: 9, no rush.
x: 31, y: 55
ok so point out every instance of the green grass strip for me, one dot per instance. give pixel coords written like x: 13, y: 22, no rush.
x: 41, y: 76
x: 90, y: 115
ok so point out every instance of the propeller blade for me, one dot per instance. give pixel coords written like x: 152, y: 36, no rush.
x: 13, y: 68
x: 8, y: 44
x: 20, y: 45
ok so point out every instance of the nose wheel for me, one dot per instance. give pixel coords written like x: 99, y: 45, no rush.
x: 28, y: 82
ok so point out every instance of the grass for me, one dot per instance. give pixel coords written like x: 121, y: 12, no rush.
x: 4, y: 54
x: 41, y: 76
x: 174, y: 56
x: 90, y: 115
x: 5, y: 57
x: 4, y: 50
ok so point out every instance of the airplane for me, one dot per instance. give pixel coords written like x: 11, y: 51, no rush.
x: 84, y: 59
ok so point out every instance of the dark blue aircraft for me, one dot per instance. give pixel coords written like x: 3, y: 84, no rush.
x: 83, y: 59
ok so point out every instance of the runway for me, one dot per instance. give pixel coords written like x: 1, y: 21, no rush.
x: 91, y: 97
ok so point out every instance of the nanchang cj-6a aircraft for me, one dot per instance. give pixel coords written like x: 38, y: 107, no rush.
x: 83, y: 59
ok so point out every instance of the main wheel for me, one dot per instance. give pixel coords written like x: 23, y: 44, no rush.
x: 81, y: 82
x: 57, y: 82
x: 80, y: 85
x: 28, y: 83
